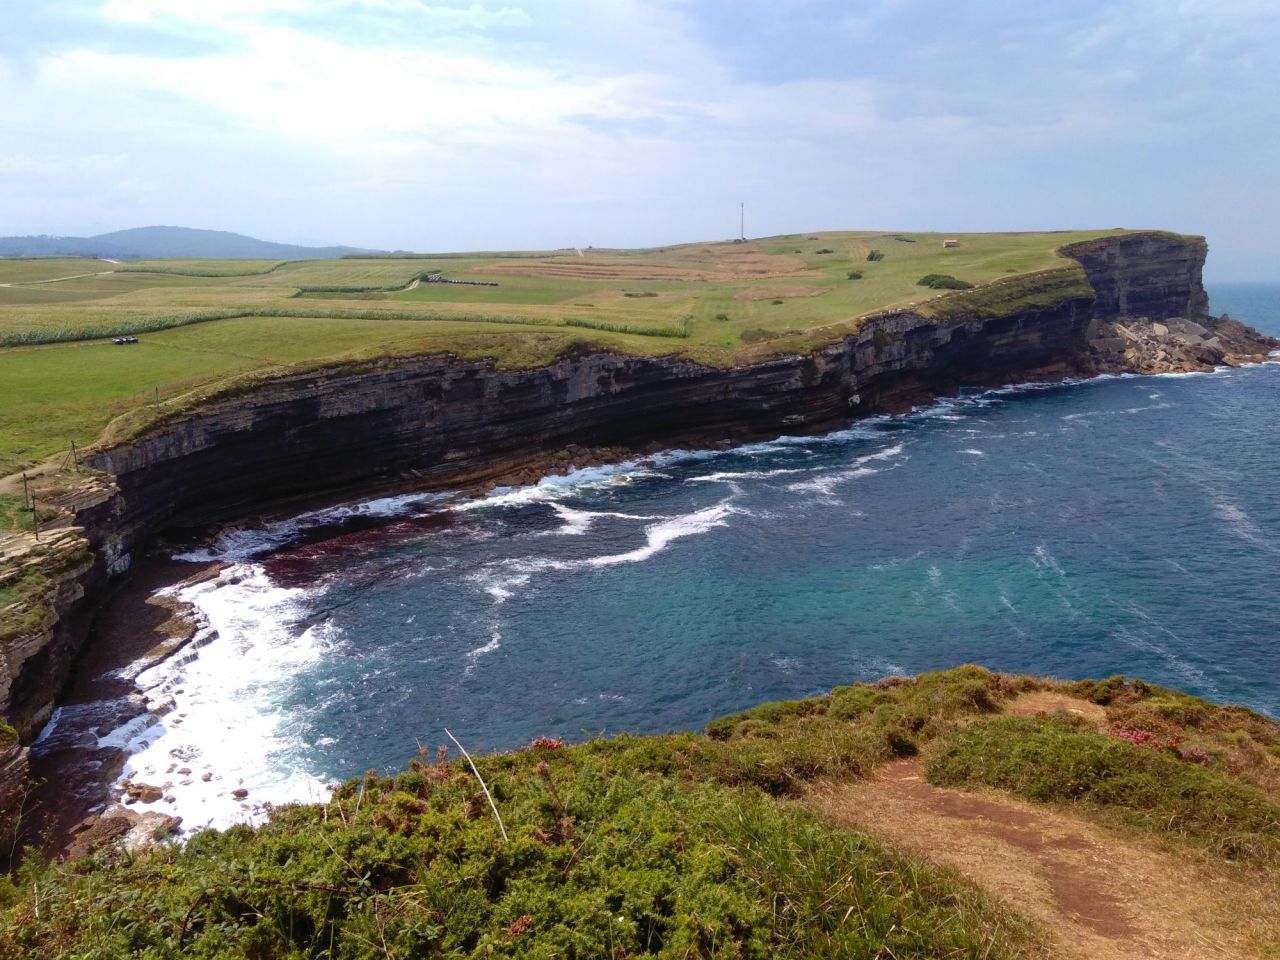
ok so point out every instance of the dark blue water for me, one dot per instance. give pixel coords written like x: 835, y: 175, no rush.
x: 1122, y: 525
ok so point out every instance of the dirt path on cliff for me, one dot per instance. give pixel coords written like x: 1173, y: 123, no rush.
x: 1102, y: 894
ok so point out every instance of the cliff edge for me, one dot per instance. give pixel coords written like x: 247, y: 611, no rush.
x: 1133, y: 302
x: 956, y: 814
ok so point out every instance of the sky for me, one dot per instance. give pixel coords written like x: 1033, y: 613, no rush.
x: 531, y: 124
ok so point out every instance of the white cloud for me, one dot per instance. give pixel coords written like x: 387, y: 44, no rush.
x: 28, y: 164
x: 643, y: 111
x: 320, y: 92
x: 203, y: 11
x: 235, y: 15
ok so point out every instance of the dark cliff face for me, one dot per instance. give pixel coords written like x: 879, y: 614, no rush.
x: 457, y: 421
x: 454, y: 422
x: 1152, y: 275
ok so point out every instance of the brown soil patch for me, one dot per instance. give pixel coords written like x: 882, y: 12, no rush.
x: 733, y: 261
x: 780, y: 293
x: 1101, y: 894
x: 1050, y: 702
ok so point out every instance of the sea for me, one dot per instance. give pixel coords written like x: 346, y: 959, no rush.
x: 1118, y: 525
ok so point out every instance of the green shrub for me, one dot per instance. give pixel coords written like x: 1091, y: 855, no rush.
x: 777, y: 747
x: 943, y: 281
x: 31, y: 591
x: 874, y: 255
x: 1047, y: 289
x: 854, y: 275
x: 1048, y: 762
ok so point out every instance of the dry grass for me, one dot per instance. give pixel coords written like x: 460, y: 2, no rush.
x: 713, y: 261
x: 1048, y: 702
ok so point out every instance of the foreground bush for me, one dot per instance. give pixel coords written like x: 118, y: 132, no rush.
x: 681, y: 845
x: 600, y: 863
x: 1050, y: 760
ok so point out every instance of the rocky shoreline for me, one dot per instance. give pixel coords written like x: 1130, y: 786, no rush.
x: 86, y: 802
x: 435, y: 423
x: 1176, y: 345
x: 105, y: 808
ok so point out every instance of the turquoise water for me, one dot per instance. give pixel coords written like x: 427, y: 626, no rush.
x: 1120, y: 525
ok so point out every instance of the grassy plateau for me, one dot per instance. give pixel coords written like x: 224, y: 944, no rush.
x: 202, y: 321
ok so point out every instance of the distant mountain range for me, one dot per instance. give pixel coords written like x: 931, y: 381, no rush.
x: 150, y: 243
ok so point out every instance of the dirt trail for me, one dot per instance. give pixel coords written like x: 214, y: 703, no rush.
x: 1102, y: 894
x: 74, y: 276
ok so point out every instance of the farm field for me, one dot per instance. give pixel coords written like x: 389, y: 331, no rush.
x: 199, y: 321
x: 46, y: 269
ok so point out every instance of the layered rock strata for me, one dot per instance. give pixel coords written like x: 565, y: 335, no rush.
x: 449, y: 422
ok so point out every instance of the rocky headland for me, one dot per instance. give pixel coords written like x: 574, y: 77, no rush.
x: 1135, y: 304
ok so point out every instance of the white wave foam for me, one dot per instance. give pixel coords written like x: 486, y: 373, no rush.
x: 660, y: 535
x: 73, y: 726
x: 730, y: 476
x: 603, y: 697
x: 1241, y: 524
x: 495, y: 642
x: 1044, y: 560
x: 1125, y: 411
x: 824, y: 485
x: 561, y: 485
x: 501, y: 588
x: 501, y: 579
x: 216, y: 710
x: 973, y: 452
x: 246, y: 543
x: 578, y: 522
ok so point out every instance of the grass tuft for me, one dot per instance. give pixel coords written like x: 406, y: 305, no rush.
x: 1048, y: 760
